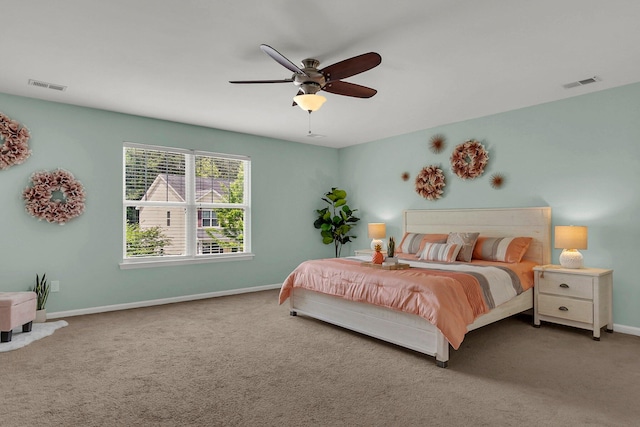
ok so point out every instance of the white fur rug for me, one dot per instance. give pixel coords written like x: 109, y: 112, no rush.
x: 38, y: 330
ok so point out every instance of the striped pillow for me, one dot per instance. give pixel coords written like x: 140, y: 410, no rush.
x: 503, y: 249
x: 413, y: 243
x: 410, y: 243
x: 440, y: 252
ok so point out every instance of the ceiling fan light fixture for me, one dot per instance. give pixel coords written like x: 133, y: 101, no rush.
x: 309, y: 102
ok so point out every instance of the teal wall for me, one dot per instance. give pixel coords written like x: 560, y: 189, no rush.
x: 580, y: 156
x: 287, y: 181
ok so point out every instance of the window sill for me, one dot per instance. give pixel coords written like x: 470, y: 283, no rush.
x: 171, y: 262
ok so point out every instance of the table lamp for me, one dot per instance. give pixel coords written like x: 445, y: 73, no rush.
x: 570, y: 238
x: 377, y: 231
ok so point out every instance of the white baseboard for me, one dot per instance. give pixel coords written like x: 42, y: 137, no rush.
x: 631, y: 330
x: 139, y: 304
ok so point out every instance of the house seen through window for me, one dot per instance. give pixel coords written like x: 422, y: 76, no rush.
x: 184, y: 204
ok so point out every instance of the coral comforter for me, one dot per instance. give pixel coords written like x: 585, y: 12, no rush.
x: 450, y: 296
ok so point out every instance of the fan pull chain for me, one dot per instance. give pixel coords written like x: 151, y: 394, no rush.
x: 309, y: 134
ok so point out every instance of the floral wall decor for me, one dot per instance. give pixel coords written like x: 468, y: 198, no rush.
x: 54, y: 196
x: 436, y: 144
x: 430, y: 182
x: 469, y: 159
x: 15, y: 148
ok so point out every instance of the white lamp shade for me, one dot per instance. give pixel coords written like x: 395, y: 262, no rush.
x: 377, y: 230
x: 571, y: 237
x: 309, y: 102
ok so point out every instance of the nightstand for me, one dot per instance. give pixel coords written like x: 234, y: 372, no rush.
x: 359, y: 252
x: 578, y: 297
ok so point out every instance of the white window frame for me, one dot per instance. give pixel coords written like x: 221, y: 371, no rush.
x: 191, y: 256
x: 203, y: 210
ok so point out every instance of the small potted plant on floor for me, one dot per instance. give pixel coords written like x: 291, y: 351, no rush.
x: 41, y: 289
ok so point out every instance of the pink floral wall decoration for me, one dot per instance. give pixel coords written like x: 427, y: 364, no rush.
x: 15, y: 142
x: 469, y: 159
x: 54, y: 196
x: 430, y: 182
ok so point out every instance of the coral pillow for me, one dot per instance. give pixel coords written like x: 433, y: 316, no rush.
x: 503, y: 249
x: 413, y: 243
x: 467, y: 241
x: 440, y: 252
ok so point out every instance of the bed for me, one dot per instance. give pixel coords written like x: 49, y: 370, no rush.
x: 415, y: 331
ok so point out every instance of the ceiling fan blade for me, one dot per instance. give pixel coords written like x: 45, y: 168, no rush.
x: 281, y: 59
x: 260, y: 81
x: 352, y: 66
x: 349, y: 89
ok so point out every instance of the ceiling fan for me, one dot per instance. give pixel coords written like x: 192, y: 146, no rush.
x: 310, y: 80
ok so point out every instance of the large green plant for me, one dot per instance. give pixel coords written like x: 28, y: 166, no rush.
x: 336, y: 220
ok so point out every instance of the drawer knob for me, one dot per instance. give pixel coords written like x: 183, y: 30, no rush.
x: 563, y: 308
x: 564, y: 285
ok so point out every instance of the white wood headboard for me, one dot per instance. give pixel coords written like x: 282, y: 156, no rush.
x: 498, y: 222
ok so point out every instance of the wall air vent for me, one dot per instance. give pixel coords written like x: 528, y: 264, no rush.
x: 46, y: 85
x: 590, y: 80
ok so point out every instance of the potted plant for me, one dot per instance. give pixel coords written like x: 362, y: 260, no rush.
x: 336, y: 220
x: 41, y: 289
x: 391, y: 251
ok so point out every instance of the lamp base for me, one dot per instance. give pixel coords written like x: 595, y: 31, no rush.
x: 375, y: 242
x: 571, y: 258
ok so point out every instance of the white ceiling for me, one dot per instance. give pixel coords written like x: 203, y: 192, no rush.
x: 442, y: 60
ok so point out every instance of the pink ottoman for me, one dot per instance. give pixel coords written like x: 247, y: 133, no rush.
x: 16, y: 308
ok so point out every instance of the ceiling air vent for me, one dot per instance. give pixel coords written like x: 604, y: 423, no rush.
x: 46, y: 85
x: 581, y: 82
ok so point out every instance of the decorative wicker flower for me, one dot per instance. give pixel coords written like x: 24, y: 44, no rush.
x: 430, y: 182
x: 42, y: 203
x: 469, y: 159
x: 15, y: 148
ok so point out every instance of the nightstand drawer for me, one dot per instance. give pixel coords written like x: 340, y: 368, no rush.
x: 566, y: 308
x: 566, y: 285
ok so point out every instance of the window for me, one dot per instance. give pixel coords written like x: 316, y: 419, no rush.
x: 207, y: 218
x: 184, y: 206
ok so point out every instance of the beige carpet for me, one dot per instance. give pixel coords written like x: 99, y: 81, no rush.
x: 243, y: 361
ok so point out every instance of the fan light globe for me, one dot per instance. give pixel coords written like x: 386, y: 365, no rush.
x: 309, y: 102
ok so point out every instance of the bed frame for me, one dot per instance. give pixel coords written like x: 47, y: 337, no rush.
x: 412, y: 331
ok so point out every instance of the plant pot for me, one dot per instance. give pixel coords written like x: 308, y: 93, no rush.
x: 391, y: 260
x: 41, y: 316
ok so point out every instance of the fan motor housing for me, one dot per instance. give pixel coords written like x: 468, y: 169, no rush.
x: 313, y: 81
